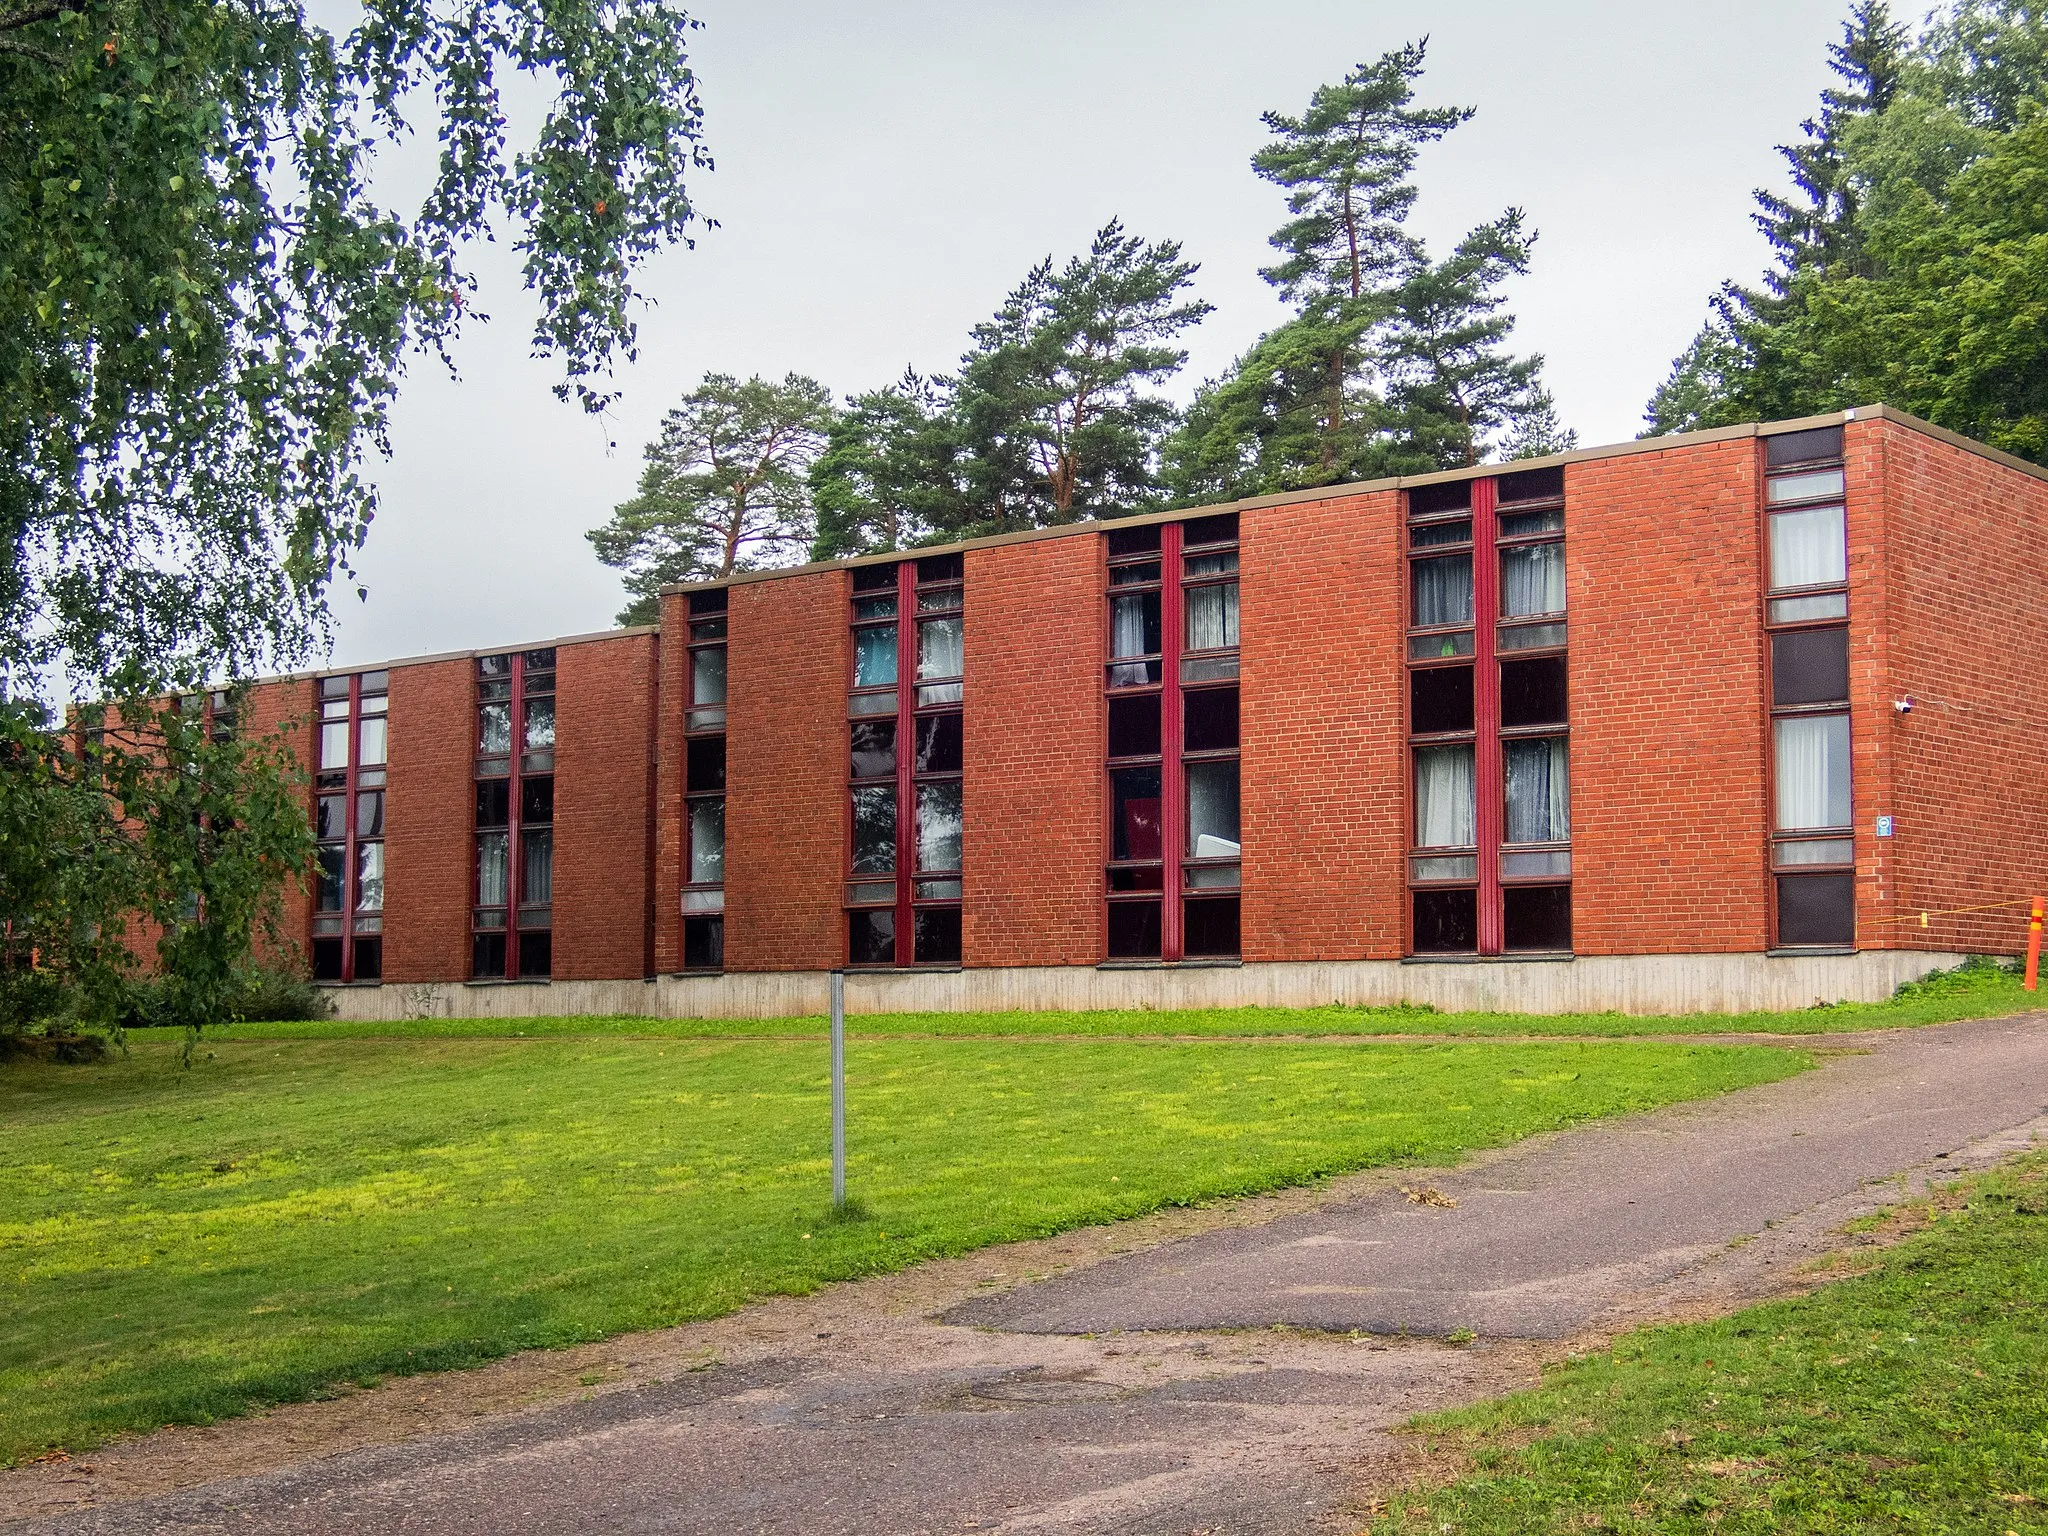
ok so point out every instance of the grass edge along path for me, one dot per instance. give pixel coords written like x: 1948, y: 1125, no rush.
x: 1906, y: 1398
x: 1982, y: 988
x: 178, y: 1246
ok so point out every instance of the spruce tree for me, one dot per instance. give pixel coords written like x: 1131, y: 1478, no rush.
x: 726, y: 488
x: 889, y: 473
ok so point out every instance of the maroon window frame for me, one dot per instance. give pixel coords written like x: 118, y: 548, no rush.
x: 348, y: 822
x: 704, y: 782
x: 1166, y: 898
x: 1812, y: 870
x: 1487, y: 897
x: 513, y: 937
x: 910, y: 913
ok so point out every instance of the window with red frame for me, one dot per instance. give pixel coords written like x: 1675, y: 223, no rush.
x: 1813, y: 839
x: 348, y: 823
x: 1175, y: 851
x: 906, y: 742
x: 1489, y: 863
x: 704, y: 786
x: 512, y: 912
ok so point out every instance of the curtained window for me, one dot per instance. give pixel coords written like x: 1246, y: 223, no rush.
x: 492, y: 867
x: 1445, y: 798
x: 1212, y: 616
x: 1809, y: 548
x: 1443, y: 591
x: 1812, y: 772
x: 1539, y: 798
x: 537, y: 855
x: 1532, y: 580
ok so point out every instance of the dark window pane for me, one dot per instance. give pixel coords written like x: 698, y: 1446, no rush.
x: 1532, y: 692
x: 874, y: 578
x: 1530, y: 485
x: 1134, y: 541
x: 1210, y: 929
x: 327, y: 959
x: 703, y: 943
x: 1150, y: 877
x: 536, y: 802
x: 939, y: 744
x: 1211, y: 719
x: 874, y: 830
x: 370, y: 813
x: 1134, y: 930
x: 1134, y: 726
x: 935, y: 935
x: 1220, y: 529
x: 493, y: 802
x: 330, y: 816
x: 1440, y: 699
x: 942, y: 568
x: 1517, y: 525
x: 1212, y: 819
x: 1134, y: 811
x: 1816, y: 909
x: 487, y: 956
x: 334, y: 687
x: 708, y: 602
x: 1803, y: 447
x: 871, y: 937
x: 1536, y: 917
x: 874, y: 749
x: 333, y: 857
x: 1810, y: 666
x: 1449, y: 496
x: 706, y: 770
x: 1429, y: 535
x: 536, y: 954
x: 1446, y: 922
x: 369, y: 960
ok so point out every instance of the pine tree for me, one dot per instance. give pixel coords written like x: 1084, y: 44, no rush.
x: 889, y: 473
x: 1053, y: 404
x: 725, y: 488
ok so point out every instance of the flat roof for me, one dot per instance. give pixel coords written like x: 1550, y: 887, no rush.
x: 1391, y: 483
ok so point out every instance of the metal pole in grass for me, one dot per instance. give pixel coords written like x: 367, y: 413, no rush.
x: 839, y: 1090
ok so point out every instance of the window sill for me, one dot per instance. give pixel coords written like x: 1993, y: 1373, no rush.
x: 345, y: 986
x: 1519, y: 957
x: 1169, y: 965
x: 904, y: 970
x: 509, y: 981
x: 1808, y: 951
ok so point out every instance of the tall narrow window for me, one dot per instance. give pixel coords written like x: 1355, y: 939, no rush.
x: 348, y: 823
x: 1490, y: 762
x: 1175, y: 850
x: 905, y: 763
x: 1813, y: 844
x: 512, y: 918
x: 704, y: 786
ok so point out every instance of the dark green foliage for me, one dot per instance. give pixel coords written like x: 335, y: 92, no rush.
x: 726, y: 488
x: 142, y: 840
x: 1053, y: 405
x: 204, y: 311
x: 890, y: 472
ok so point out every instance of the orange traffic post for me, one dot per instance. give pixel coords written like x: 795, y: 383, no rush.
x: 2034, y: 946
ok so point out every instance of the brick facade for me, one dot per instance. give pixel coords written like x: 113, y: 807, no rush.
x: 1671, y: 811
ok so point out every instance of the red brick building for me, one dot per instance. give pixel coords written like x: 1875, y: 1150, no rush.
x: 1738, y: 718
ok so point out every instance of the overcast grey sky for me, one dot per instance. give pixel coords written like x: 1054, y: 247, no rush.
x: 887, y: 172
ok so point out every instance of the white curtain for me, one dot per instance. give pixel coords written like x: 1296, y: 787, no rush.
x: 941, y: 648
x: 1129, y: 634
x: 1443, y: 590
x: 1532, y: 580
x: 707, y: 842
x: 1446, y: 800
x: 490, y: 869
x: 1812, y: 772
x: 1539, y: 793
x: 1212, y: 616
x: 1808, y: 549
x: 537, y: 853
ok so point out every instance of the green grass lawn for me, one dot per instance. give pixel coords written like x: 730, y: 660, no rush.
x: 1910, y: 1399
x: 178, y: 1245
x: 1980, y: 990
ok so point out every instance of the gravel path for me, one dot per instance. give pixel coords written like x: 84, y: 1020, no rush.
x: 1237, y: 1369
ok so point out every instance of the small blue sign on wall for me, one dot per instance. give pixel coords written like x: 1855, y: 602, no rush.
x: 1884, y: 826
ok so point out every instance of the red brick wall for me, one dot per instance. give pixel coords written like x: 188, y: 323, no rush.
x: 1035, y: 772
x: 429, y: 811
x: 1663, y: 577
x: 788, y: 666
x: 1967, y: 595
x: 1323, y: 729
x: 670, y: 822
x: 286, y: 707
x: 604, y: 756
